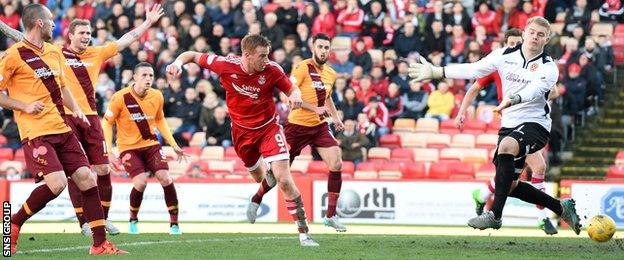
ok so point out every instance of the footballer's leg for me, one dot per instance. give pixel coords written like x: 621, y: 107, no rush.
x: 482, y: 195
x: 171, y: 199
x: 75, y: 196
x: 267, y: 182
x: 537, y: 164
x: 333, y: 158
x: 139, y: 182
x: 105, y: 188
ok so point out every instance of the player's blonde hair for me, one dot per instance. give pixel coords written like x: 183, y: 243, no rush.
x: 253, y: 41
x: 541, y: 21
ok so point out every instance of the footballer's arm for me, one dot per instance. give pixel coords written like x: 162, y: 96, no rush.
x: 14, y: 104
x: 175, y: 68
x: 70, y: 102
x: 470, y: 96
x: 151, y: 16
x: 15, y: 35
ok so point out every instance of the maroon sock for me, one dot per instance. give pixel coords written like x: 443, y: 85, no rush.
x: 37, y: 200
x: 136, y: 197
x: 75, y: 195
x: 334, y: 183
x: 94, y: 214
x: 171, y: 199
x: 263, y: 189
x: 295, y: 207
x: 106, y: 192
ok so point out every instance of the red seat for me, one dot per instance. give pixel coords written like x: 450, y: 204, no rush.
x: 192, y: 150
x: 390, y: 141
x: 390, y: 166
x: 463, y: 168
x: 318, y: 167
x: 348, y: 168
x: 6, y: 154
x: 493, y: 127
x: 615, y: 172
x: 367, y: 166
x: 402, y: 155
x: 19, y: 155
x: 3, y: 140
x: 239, y: 167
x: 473, y: 126
x: 414, y: 170
x: 440, y: 171
x: 230, y: 153
x: 448, y: 127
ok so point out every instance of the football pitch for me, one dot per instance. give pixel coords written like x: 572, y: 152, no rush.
x: 222, y: 241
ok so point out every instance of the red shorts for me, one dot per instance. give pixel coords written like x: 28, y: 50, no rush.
x: 144, y: 159
x: 268, y: 142
x: 54, y: 153
x: 91, y: 138
x: 299, y: 136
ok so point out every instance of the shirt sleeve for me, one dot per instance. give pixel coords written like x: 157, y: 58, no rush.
x: 477, y: 69
x: 212, y: 62
x: 107, y: 51
x: 112, y: 112
x: 485, y: 81
x: 542, y: 82
x: 282, y: 82
x: 6, y: 71
x: 297, y: 75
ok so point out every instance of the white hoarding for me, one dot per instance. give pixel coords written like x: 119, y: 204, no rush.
x: 197, y: 202
x: 424, y: 203
x: 599, y: 198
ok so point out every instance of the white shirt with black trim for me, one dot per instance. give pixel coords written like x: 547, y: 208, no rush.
x: 531, y: 79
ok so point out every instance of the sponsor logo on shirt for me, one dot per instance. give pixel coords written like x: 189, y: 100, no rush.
x: 74, y: 63
x: 516, y: 78
x: 45, y: 73
x: 138, y: 117
x: 249, y: 91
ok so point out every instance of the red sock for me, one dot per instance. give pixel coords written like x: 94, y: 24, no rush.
x: 106, y: 192
x: 263, y: 189
x: 296, y: 210
x: 75, y: 195
x: 136, y: 197
x: 334, y: 184
x: 171, y: 199
x: 37, y: 200
x: 537, y: 180
x: 94, y: 214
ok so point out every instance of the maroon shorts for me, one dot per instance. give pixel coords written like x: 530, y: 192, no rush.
x: 54, y: 153
x: 268, y: 142
x: 299, y: 136
x: 91, y: 138
x: 144, y: 159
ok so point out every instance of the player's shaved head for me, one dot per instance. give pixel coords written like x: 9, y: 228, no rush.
x: 142, y: 65
x: 31, y: 14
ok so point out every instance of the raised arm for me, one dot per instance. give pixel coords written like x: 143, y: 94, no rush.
x: 151, y: 16
x: 15, y: 35
x: 425, y: 70
x: 175, y: 68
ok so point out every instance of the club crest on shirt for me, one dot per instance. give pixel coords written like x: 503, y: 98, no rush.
x: 262, y: 80
x: 533, y: 67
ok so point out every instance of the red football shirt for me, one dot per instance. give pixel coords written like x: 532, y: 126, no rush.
x: 249, y: 98
x: 487, y: 80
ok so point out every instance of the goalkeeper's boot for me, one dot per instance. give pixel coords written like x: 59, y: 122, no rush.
x: 133, y: 227
x: 106, y: 248
x: 479, y: 205
x: 485, y: 221
x: 306, y: 240
x: 110, y: 228
x: 335, y: 223
x: 175, y: 230
x: 569, y: 215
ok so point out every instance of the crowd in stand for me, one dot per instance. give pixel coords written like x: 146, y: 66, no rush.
x: 370, y: 93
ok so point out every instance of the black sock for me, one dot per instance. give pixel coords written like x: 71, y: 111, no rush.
x: 526, y: 192
x: 503, y: 179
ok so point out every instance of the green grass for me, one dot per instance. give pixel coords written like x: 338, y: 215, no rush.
x: 333, y: 246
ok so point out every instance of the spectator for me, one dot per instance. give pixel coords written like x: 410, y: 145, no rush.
x: 103, y: 84
x: 460, y: 17
x: 605, y: 46
x: 565, y: 102
x: 373, y: 23
x: 343, y: 66
x: 441, y: 103
x: 388, y: 31
x: 325, y: 22
x: 224, y: 15
x: 578, y: 15
x: 401, y: 78
x: 11, y: 133
x: 290, y: 47
x: 414, y: 101
x: 242, y: 29
x: 594, y: 83
x: 435, y: 39
x: 367, y: 128
x: 10, y: 17
x: 377, y: 113
x: 338, y: 93
x: 214, y: 40
x: 379, y: 83
x: 482, y: 39
x: 206, y: 114
x: 611, y: 11
x: 365, y: 92
x: 307, y: 18
x: 350, y: 19
x: 360, y: 56
x: 393, y: 102
x: 351, y: 106
x: 202, y: 19
x: 504, y: 13
x: 272, y: 31
x: 191, y: 75
x: 188, y: 111
x: 408, y: 41
x: 287, y: 17
x: 219, y: 130
x: 436, y: 15
x: 351, y: 142
x: 576, y: 86
x: 456, y: 44
x: 279, y: 57
x: 356, y: 75
x: 304, y: 40
x: 173, y: 97
x: 486, y: 18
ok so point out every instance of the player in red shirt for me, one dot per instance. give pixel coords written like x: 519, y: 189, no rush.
x: 535, y: 161
x: 249, y: 81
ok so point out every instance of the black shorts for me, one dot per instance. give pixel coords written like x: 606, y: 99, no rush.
x: 532, y: 137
